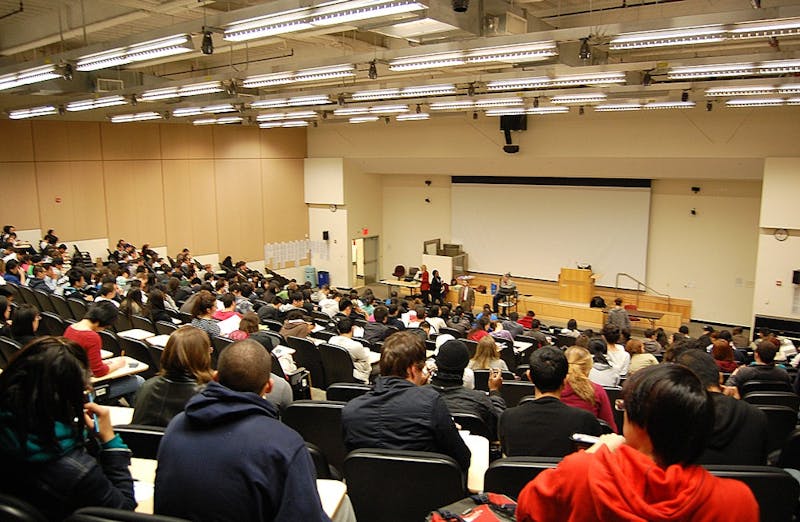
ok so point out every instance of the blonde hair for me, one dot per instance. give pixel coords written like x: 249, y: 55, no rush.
x: 580, y: 364
x: 187, y: 351
x: 485, y: 353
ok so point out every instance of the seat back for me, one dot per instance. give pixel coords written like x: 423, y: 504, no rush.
x: 307, y: 355
x: 219, y: 343
x: 110, y: 342
x: 142, y: 323
x: 13, y: 509
x: 781, y: 421
x: 472, y: 347
x: 103, y: 514
x: 510, y: 358
x: 123, y: 323
x: 272, y: 324
x: 776, y: 398
x: 764, y: 386
x: 321, y: 465
x: 344, y: 391
x: 790, y: 452
x: 165, y: 328
x: 61, y: 307
x: 614, y: 393
x: 274, y: 337
x: 325, y: 335
x: 482, y: 379
x: 509, y: 475
x: 399, y: 271
x: 775, y: 490
x: 26, y: 296
x: 77, y: 307
x: 336, y: 363
x: 43, y: 302
x: 514, y: 391
x: 143, y: 441
x: 564, y: 340
x: 474, y: 424
x: 320, y: 423
x: 51, y: 324
x: 8, y: 349
x: 139, y: 351
x: 451, y: 331
x: 402, y: 486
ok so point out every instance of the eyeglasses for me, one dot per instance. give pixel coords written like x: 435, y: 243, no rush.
x: 619, y: 404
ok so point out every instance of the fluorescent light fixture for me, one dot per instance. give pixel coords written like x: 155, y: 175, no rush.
x: 751, y: 90
x: 168, y: 46
x: 504, y: 53
x: 375, y: 109
x: 498, y: 102
x: 297, y: 101
x: 195, y: 89
x: 364, y: 119
x: 779, y: 67
x: 98, y: 103
x: 280, y: 116
x: 558, y: 109
x: 44, y: 110
x: 330, y: 13
x: 755, y: 102
x: 670, y: 105
x: 351, y: 111
x: 139, y: 116
x: 616, y: 107
x: 418, y: 91
x: 711, y: 71
x: 505, y: 112
x: 543, y: 82
x: 789, y: 88
x: 793, y: 101
x: 305, y: 75
x: 284, y: 124
x: 669, y: 37
x: 452, y: 106
x: 413, y: 117
x: 219, y: 121
x: 766, y: 29
x: 580, y: 99
x: 29, y: 76
x: 209, y: 109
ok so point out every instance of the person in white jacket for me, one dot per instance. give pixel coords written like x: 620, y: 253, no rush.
x: 358, y: 352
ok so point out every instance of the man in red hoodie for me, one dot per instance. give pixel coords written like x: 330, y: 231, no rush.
x: 648, y: 474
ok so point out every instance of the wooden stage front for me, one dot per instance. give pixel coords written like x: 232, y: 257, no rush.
x: 542, y: 297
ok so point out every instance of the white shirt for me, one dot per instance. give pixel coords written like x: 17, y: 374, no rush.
x: 619, y: 359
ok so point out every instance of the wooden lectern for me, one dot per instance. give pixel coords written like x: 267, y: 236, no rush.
x: 575, y: 285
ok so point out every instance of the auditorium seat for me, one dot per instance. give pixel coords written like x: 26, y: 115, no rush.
x: 345, y: 391
x: 103, y: 514
x: 764, y: 386
x: 13, y: 509
x: 110, y: 342
x: 474, y: 424
x: 509, y: 475
x: 165, y: 328
x: 781, y: 421
x: 142, y: 440
x: 614, y: 393
x: 61, y: 307
x: 44, y: 304
x: 77, y: 307
x: 272, y: 324
x: 775, y: 490
x: 336, y: 363
x: 138, y: 350
x: 775, y: 398
x: 142, y: 323
x: 482, y: 379
x: 307, y: 355
x: 320, y: 423
x: 401, y: 486
x: 51, y: 324
x: 8, y: 349
x: 514, y: 391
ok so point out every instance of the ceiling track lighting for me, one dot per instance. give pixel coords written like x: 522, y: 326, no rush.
x: 364, y: 119
x: 325, y: 15
x: 579, y: 99
x: 755, y: 102
x: 167, y: 46
x: 618, y: 107
x: 669, y: 105
x: 375, y: 109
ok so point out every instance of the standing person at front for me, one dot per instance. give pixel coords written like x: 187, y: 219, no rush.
x: 400, y: 413
x: 437, y: 286
x: 649, y: 474
x: 618, y: 316
x: 227, y: 457
x: 424, y: 284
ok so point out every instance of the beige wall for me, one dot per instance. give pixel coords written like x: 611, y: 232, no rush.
x: 213, y: 190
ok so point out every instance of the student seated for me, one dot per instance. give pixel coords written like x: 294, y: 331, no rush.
x: 649, y: 474
x: 45, y: 425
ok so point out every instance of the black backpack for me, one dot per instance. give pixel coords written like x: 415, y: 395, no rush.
x: 597, y: 302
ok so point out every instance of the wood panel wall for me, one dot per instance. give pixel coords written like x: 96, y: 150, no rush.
x: 226, y: 190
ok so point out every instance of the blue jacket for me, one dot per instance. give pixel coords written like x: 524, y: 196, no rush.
x: 397, y: 414
x: 59, y: 482
x: 227, y: 457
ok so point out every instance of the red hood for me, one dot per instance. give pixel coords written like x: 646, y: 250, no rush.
x: 628, y: 485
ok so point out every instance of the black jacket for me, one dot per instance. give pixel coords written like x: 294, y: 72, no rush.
x: 36, y: 283
x: 227, y: 457
x: 374, y: 332
x: 461, y: 400
x: 397, y: 414
x: 161, y: 398
x: 739, y: 436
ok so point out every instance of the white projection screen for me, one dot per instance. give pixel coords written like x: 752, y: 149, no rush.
x: 533, y: 230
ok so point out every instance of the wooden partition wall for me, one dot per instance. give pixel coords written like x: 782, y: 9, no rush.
x: 212, y: 189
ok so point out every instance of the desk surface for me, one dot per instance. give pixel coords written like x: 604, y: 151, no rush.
x: 124, y: 371
x: 404, y: 284
x: 331, y: 492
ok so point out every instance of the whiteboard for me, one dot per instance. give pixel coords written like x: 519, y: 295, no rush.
x: 534, y: 230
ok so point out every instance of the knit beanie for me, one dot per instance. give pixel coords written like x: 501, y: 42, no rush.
x: 453, y: 357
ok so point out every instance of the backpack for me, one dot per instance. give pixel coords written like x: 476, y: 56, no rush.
x: 597, y: 302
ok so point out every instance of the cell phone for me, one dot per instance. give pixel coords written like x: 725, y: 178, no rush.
x: 583, y: 440
x: 90, y: 397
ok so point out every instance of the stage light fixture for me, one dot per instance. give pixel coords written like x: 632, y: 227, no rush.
x: 207, y: 47
x: 373, y: 70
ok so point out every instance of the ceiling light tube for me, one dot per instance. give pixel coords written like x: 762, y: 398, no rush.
x: 711, y: 71
x: 286, y: 116
x: 343, y: 12
x: 505, y: 112
x: 793, y: 101
x: 284, y: 124
x: 538, y: 82
x: 209, y: 109
x: 428, y: 61
x: 755, y: 102
x: 305, y: 75
x: 388, y: 109
x: 452, y: 106
x: 168, y: 46
x: 99, y: 103
x: 604, y: 78
x: 580, y: 99
x: 558, y: 109
x: 789, y: 89
x: 752, y: 90
x: 32, y: 112
x: 406, y: 92
x: 225, y: 120
x: 615, y: 107
x: 139, y: 116
x: 363, y: 119
x: 513, y: 53
x: 298, y: 101
x: 195, y: 89
x: 670, y: 105
x: 498, y: 102
x: 668, y: 37
x: 29, y: 76
x: 766, y: 29
x: 779, y: 67
x: 351, y: 111
x: 413, y: 117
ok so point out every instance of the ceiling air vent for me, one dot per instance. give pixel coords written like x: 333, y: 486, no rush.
x: 107, y: 85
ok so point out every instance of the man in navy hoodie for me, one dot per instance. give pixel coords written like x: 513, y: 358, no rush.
x: 228, y: 457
